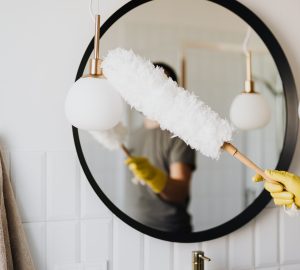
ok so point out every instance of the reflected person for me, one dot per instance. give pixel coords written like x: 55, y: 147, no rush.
x: 165, y: 164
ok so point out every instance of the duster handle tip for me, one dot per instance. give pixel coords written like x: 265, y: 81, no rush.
x: 125, y: 150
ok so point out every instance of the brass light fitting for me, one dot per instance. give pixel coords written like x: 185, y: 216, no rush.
x: 95, y: 69
x: 249, y: 83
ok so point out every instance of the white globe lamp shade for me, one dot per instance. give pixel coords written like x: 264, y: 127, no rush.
x: 250, y: 111
x: 93, y: 104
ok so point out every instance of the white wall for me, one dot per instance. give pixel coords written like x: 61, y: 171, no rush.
x: 41, y: 45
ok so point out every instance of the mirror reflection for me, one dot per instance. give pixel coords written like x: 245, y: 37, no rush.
x: 164, y: 183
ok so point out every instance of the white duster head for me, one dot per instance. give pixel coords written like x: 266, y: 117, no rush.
x: 148, y: 90
x: 111, y: 138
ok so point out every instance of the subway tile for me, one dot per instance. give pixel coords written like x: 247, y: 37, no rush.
x: 266, y: 238
x: 74, y: 266
x: 95, y: 267
x: 290, y: 267
x: 183, y: 255
x: 158, y: 254
x: 96, y: 240
x: 241, y: 248
x: 91, y: 205
x: 36, y: 236
x: 289, y: 239
x: 28, y: 179
x: 217, y: 251
x: 62, y: 185
x: 103, y: 266
x: 81, y: 266
x: 128, y: 252
x: 63, y: 244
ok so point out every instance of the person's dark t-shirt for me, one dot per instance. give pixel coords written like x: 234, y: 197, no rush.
x: 162, y: 150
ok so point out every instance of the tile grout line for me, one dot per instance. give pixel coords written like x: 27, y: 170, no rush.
x: 171, y: 259
x: 254, y: 242
x: 111, y: 246
x: 279, y: 227
x: 46, y: 209
x: 227, y: 251
x: 114, y: 235
x: 142, y: 249
x: 146, y: 252
x: 79, y: 203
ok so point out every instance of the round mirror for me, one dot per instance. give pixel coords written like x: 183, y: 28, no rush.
x: 202, y: 46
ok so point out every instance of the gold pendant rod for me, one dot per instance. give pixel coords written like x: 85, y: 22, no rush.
x: 97, y: 37
x: 249, y: 66
x: 249, y: 84
x: 95, y: 63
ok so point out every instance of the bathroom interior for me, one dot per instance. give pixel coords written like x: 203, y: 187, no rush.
x: 79, y: 202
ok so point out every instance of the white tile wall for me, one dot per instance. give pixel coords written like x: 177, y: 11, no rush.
x: 63, y: 177
x: 158, y: 254
x: 128, y: 250
x: 241, y: 248
x: 28, y: 171
x: 82, y: 266
x: 69, y: 228
x: 62, y: 243
x: 91, y: 205
x: 217, y: 250
x: 96, y: 240
x: 266, y: 238
x: 289, y: 239
x: 290, y: 267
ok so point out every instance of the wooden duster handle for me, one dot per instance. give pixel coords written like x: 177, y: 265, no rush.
x: 229, y: 148
x: 125, y: 150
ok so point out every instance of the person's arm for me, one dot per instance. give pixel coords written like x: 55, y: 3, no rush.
x: 173, y: 187
x: 177, y: 186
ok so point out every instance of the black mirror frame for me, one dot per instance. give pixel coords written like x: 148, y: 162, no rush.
x: 291, y: 102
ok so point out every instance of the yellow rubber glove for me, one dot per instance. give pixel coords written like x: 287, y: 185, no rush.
x: 286, y: 191
x: 142, y: 169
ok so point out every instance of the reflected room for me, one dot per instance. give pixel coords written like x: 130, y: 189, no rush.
x: 203, y: 47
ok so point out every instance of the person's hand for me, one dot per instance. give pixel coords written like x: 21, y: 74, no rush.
x: 286, y: 191
x: 143, y: 170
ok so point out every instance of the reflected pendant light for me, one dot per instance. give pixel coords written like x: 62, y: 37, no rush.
x: 92, y: 103
x: 249, y: 110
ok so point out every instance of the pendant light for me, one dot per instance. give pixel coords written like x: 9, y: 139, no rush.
x: 249, y: 110
x: 89, y: 102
